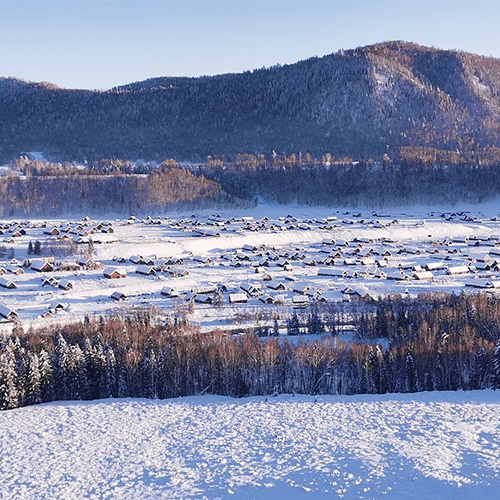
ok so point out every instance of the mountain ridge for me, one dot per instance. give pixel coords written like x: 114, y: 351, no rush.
x: 392, y: 97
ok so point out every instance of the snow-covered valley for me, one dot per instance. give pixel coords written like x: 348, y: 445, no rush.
x: 257, y: 262
x: 439, y: 445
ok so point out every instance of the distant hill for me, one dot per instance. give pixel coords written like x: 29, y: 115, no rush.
x: 396, y: 97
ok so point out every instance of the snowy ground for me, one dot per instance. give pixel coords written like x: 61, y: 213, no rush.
x: 395, y: 230
x: 426, y: 446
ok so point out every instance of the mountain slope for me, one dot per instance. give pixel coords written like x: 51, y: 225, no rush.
x: 361, y: 103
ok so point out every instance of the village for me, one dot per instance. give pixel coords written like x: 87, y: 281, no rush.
x: 221, y: 271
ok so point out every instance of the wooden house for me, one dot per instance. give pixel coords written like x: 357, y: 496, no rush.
x: 58, y: 306
x: 53, y: 231
x: 301, y: 288
x: 276, y: 285
x: 169, y: 292
x: 177, y: 271
x: 397, y: 276
x: 238, y: 298
x: 145, y: 270
x: 14, y: 269
x: 86, y: 263
x: 202, y: 260
x: 479, y: 257
x: 7, y: 313
x: 6, y: 282
x: 478, y: 283
x: 328, y: 241
x: 454, y: 270
x: 266, y: 298
x: 203, y: 299
x: 333, y: 272
x: 332, y: 296
x: 119, y: 296
x: 253, y: 290
x: 207, y: 289
x: 65, y: 284
x: 113, y: 273
x: 300, y: 301
x: 41, y: 266
x: 434, y: 266
x: 309, y: 261
x: 423, y: 275
x: 50, y: 281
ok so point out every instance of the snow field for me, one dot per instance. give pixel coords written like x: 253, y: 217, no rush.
x: 91, y: 293
x: 427, y: 446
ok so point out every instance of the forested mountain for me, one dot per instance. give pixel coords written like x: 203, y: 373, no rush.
x: 396, y: 97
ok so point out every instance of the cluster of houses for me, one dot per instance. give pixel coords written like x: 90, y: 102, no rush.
x: 331, y: 270
x: 80, y: 231
x: 216, y: 225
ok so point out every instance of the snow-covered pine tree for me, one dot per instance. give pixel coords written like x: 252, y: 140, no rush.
x: 150, y: 376
x: 34, y: 388
x: 495, y: 378
x: 276, y: 328
x: 315, y: 324
x: 9, y: 390
x: 411, y: 375
x: 46, y: 376
x: 111, y: 375
x: 293, y: 324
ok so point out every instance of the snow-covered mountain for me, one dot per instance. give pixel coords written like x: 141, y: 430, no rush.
x: 365, y: 102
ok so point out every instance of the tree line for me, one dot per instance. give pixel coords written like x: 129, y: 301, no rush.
x: 438, y: 342
x: 50, y: 189
x: 362, y: 183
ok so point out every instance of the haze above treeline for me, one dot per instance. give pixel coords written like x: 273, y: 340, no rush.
x: 410, y: 102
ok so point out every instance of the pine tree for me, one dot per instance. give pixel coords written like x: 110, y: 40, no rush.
x: 46, y: 377
x: 9, y: 387
x: 495, y: 378
x: 479, y: 370
x: 293, y: 324
x: 150, y: 384
x: 315, y: 325
x: 111, y: 378
x: 276, y: 328
x: 37, y: 249
x: 411, y: 375
x: 74, y: 370
x: 33, y: 391
x: 59, y: 364
x: 30, y: 248
x: 377, y: 370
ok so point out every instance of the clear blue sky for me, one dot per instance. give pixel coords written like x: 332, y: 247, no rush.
x: 104, y: 43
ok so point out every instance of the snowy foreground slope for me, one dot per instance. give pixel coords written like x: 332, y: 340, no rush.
x: 427, y: 446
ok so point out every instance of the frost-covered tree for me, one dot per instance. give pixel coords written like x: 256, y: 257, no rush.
x: 412, y: 376
x: 9, y: 383
x: 495, y: 376
x: 293, y: 324
x: 315, y: 324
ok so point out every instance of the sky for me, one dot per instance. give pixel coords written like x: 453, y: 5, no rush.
x: 100, y: 44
